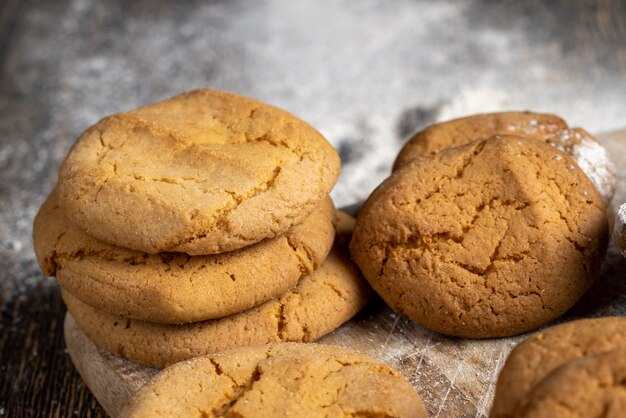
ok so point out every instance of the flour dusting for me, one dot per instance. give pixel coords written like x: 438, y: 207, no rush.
x: 591, y: 157
x: 620, y: 228
x: 594, y: 161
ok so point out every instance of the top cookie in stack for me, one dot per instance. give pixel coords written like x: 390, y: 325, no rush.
x: 204, y: 172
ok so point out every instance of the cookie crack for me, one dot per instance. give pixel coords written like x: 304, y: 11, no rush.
x: 218, y: 369
x: 59, y: 259
x: 468, y: 160
x: 281, y: 321
x: 426, y: 243
x: 335, y: 289
x: 296, y: 148
x: 104, y: 182
x: 423, y: 244
x: 220, y: 221
x: 267, y: 137
x: 52, y: 259
x: 107, y: 148
x: 175, y: 181
x: 371, y: 368
x: 242, y: 237
x: 239, y: 390
x: 305, y: 260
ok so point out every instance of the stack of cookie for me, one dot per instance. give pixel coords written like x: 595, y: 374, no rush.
x: 576, y: 369
x: 490, y: 225
x: 198, y: 224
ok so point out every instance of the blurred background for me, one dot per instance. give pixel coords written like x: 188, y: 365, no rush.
x: 366, y: 73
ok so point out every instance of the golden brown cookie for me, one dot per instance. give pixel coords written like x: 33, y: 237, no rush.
x: 204, y: 172
x: 619, y: 232
x: 590, y: 387
x: 278, y: 380
x: 588, y: 153
x: 176, y: 287
x: 489, y: 239
x: 544, y: 352
x: 452, y: 133
x: 320, y: 303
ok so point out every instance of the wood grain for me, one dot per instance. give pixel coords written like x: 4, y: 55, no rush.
x: 455, y: 377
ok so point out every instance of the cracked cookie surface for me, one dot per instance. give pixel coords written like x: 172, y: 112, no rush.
x: 539, y: 355
x: 204, y: 172
x: 490, y: 239
x: 588, y: 153
x: 278, y: 380
x: 589, y: 387
x: 176, y: 287
x: 319, y: 303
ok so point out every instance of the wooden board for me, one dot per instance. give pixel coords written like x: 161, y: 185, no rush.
x: 455, y: 377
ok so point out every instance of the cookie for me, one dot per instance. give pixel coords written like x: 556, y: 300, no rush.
x: 456, y: 132
x: 544, y: 352
x: 489, y: 239
x: 320, y: 303
x: 204, y: 172
x: 588, y: 153
x: 585, y: 388
x: 619, y: 232
x: 278, y: 380
x: 176, y: 287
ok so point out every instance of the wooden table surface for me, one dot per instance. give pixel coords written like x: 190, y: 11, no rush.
x: 365, y: 73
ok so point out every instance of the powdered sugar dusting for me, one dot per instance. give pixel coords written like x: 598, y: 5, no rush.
x: 593, y: 159
x: 620, y: 229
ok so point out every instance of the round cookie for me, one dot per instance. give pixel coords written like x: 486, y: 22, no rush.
x: 278, y: 380
x: 588, y: 153
x: 544, y: 352
x: 456, y: 132
x: 176, y: 287
x: 619, y: 233
x: 490, y: 239
x: 320, y: 303
x: 204, y: 172
x: 590, y: 387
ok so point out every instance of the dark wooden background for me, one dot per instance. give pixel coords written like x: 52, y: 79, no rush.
x: 64, y: 64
